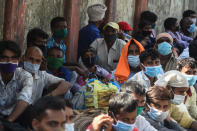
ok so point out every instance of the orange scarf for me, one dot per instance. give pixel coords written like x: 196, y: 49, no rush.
x: 122, y: 70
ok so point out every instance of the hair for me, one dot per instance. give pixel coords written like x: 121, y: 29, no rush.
x: 88, y: 49
x: 149, y: 16
x: 45, y: 103
x: 122, y: 102
x: 34, y: 48
x: 169, y: 23
x: 184, y: 21
x: 143, y: 23
x: 193, y: 49
x: 133, y: 87
x: 11, y: 46
x: 157, y: 93
x: 55, y: 48
x: 152, y: 53
x: 34, y: 33
x: 56, y: 20
x: 68, y: 103
x: 138, y: 36
x: 186, y: 62
x: 187, y: 13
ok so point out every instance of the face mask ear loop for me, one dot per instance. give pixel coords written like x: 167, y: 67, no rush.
x: 172, y: 92
x: 114, y: 117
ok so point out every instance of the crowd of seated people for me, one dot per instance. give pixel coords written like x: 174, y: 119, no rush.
x: 155, y: 76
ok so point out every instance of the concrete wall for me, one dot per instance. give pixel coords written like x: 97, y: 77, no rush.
x: 125, y: 11
x: 40, y: 12
x: 83, y: 10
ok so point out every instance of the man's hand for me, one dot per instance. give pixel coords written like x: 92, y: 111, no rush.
x: 100, y: 121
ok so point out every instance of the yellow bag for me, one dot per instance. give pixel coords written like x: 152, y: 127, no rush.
x: 98, y: 94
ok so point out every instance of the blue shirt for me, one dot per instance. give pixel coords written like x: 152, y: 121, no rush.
x: 51, y: 43
x: 86, y: 36
x: 63, y: 73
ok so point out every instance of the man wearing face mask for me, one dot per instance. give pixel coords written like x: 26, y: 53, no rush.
x: 121, y: 116
x: 108, y: 48
x: 177, y: 85
x: 129, y: 62
x: 181, y: 41
x: 192, y: 15
x: 69, y: 116
x: 89, y: 58
x: 16, y: 84
x: 151, y: 69
x: 167, y: 53
x: 188, y: 67
x: 42, y: 79
x: 138, y: 93
x: 145, y: 30
x: 59, y: 33
x: 37, y: 37
x: 89, y: 33
x: 187, y: 27
x: 157, y: 109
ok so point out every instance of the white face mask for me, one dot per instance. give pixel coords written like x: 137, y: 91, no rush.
x: 178, y: 99
x: 157, y: 115
x: 69, y: 127
x: 193, y: 20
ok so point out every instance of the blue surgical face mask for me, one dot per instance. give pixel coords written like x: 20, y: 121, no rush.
x: 32, y: 68
x: 134, y: 61
x: 121, y: 126
x: 164, y: 48
x: 157, y: 115
x: 191, y: 79
x: 192, y: 28
x: 153, y: 71
x: 69, y: 127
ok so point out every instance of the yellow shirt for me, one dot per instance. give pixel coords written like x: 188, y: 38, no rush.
x: 191, y: 103
x: 182, y: 118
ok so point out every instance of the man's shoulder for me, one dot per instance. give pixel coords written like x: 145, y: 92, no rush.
x: 20, y: 72
x: 121, y: 42
x: 98, y: 41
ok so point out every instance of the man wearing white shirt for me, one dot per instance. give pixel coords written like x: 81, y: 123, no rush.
x: 15, y: 83
x: 108, y: 48
x: 42, y: 79
x: 139, y: 94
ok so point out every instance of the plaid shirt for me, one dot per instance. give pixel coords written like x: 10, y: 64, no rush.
x: 18, y: 88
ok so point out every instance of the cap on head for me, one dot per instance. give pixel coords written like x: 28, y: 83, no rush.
x: 124, y: 26
x: 172, y: 78
x: 113, y: 25
x: 96, y: 12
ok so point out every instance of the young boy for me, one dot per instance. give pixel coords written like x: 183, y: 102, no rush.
x: 59, y: 33
x: 151, y: 68
x: 157, y: 109
x: 188, y: 67
x: 138, y: 93
x: 121, y: 116
x: 177, y: 85
x: 89, y: 58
